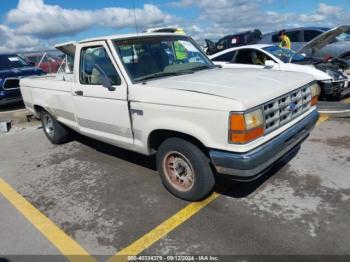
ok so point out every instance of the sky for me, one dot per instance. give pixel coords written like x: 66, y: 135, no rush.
x: 27, y: 25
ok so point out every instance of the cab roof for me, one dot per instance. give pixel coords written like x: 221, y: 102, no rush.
x: 69, y: 47
x: 126, y: 36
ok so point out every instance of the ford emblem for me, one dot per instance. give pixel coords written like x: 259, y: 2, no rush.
x: 292, y: 107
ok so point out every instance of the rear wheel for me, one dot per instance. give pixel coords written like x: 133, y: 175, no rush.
x: 54, y: 131
x: 184, y: 169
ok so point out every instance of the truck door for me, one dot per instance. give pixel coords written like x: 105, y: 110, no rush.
x: 101, y: 112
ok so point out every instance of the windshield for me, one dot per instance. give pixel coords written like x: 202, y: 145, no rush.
x: 11, y: 61
x: 152, y: 57
x: 284, y: 54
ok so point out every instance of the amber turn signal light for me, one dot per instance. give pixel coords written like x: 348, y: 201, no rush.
x: 246, y: 127
x: 244, y: 137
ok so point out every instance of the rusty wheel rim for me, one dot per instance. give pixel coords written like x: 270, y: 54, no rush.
x: 178, y: 171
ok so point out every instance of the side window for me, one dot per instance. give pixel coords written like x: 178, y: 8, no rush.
x: 227, y: 57
x: 310, y: 34
x: 275, y: 39
x: 251, y: 57
x: 294, y: 36
x: 94, y: 64
x: 244, y: 57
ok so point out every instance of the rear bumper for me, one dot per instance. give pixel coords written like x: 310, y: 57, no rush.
x: 250, y: 164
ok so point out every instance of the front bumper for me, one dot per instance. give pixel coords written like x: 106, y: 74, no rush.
x: 251, y: 164
x: 10, y: 96
x: 10, y: 100
x: 333, y: 88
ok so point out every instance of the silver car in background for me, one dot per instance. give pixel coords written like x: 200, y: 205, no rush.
x: 299, y: 37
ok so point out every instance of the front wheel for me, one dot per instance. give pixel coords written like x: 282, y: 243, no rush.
x: 184, y: 169
x: 54, y: 131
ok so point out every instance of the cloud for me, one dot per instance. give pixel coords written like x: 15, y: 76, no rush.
x: 222, y: 17
x: 33, y: 23
x: 47, y: 21
x: 326, y: 15
x: 11, y: 41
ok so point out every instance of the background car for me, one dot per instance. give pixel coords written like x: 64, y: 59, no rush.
x: 12, y: 68
x: 243, y: 38
x: 47, y: 62
x: 329, y: 76
x: 338, y: 48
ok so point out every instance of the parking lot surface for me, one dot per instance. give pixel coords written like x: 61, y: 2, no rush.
x: 106, y: 200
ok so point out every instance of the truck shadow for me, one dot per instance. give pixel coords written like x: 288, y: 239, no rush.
x: 237, y: 189
x: 225, y: 185
x: 130, y: 156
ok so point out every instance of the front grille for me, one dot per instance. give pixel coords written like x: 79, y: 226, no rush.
x: 284, y: 109
x: 11, y: 83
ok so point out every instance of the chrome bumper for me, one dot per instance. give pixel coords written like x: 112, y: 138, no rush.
x: 250, y: 164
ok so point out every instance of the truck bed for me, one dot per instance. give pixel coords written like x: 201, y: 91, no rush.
x: 52, y: 92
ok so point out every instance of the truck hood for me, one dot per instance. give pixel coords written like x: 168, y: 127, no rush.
x: 324, y: 39
x: 250, y: 87
x: 20, y: 71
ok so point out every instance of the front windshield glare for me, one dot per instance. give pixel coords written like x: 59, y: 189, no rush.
x: 284, y: 54
x: 160, y: 56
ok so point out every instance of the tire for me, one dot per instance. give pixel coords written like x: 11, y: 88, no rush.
x: 192, y: 179
x: 54, y: 131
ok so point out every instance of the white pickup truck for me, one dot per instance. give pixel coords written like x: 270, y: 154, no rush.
x: 159, y: 93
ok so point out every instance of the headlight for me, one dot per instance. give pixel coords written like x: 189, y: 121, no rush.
x: 315, y: 92
x: 336, y: 75
x: 331, y: 73
x: 245, y: 127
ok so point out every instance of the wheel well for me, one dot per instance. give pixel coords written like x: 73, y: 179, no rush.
x: 38, y: 110
x: 157, y: 137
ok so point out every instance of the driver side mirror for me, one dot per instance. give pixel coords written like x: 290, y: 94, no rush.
x: 269, y: 64
x: 106, y: 82
x: 104, y: 79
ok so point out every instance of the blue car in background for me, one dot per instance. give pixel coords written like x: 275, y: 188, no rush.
x: 12, y: 68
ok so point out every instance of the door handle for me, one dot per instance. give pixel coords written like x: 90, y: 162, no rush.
x: 79, y: 93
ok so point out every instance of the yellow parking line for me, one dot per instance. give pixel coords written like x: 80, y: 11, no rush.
x: 163, y: 229
x: 322, y: 119
x: 347, y: 101
x: 67, y: 246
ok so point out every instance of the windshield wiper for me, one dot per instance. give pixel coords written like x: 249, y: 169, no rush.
x: 161, y: 74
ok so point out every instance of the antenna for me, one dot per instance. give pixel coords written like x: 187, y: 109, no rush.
x: 135, y: 21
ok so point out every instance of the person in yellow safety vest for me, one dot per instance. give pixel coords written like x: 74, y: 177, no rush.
x: 285, y: 41
x: 180, y: 50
